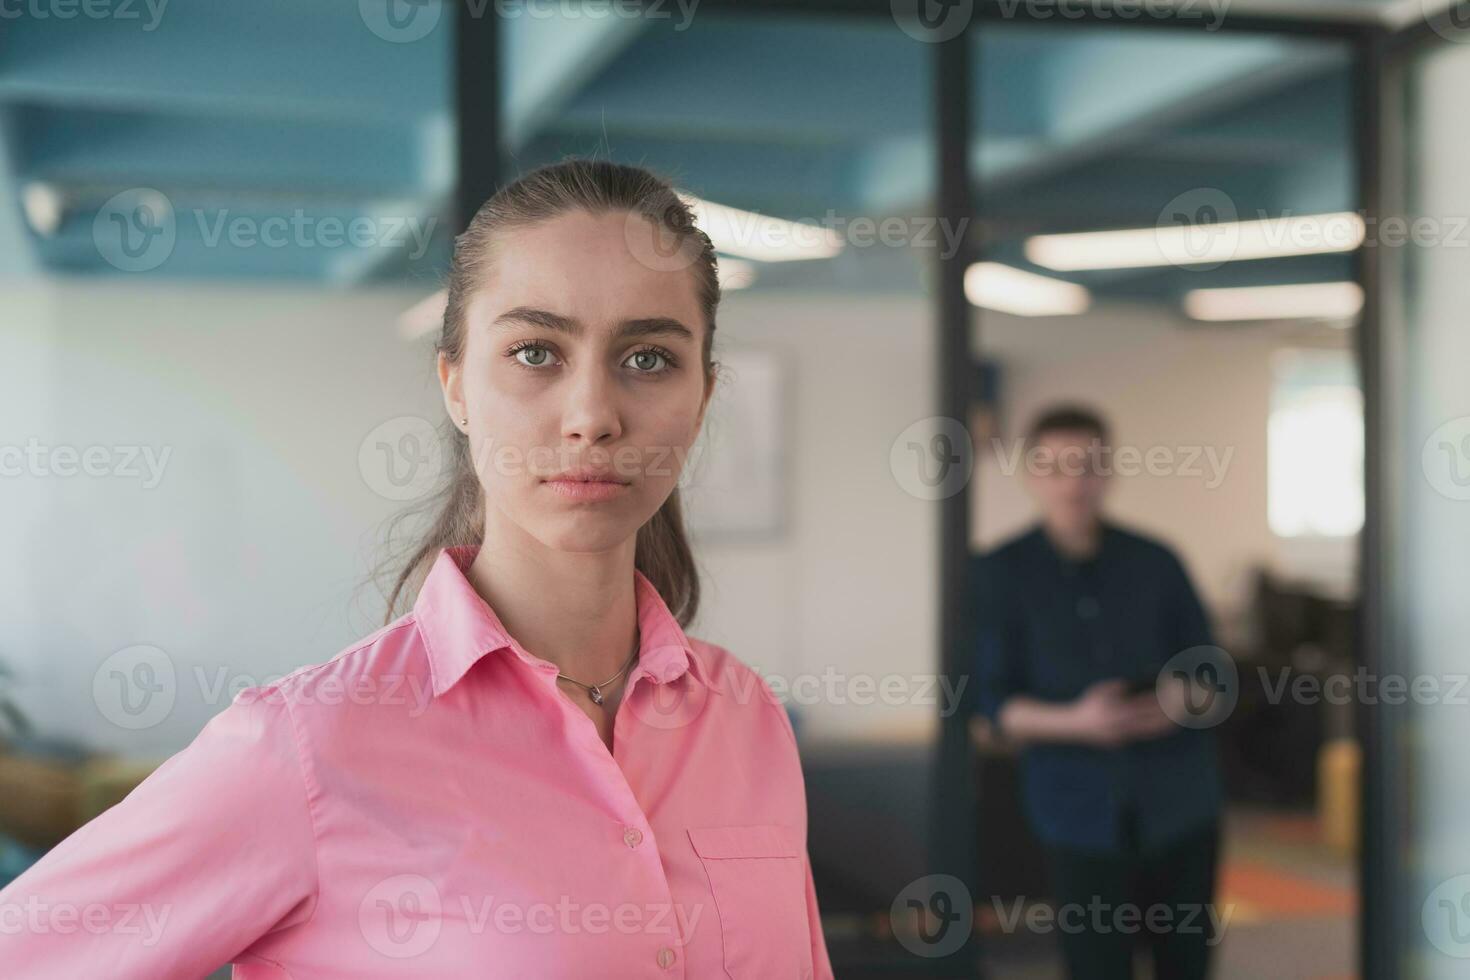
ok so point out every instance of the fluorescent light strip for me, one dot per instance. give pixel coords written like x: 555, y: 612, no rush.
x: 996, y: 286
x: 1313, y: 300
x: 761, y: 237
x: 1199, y: 244
x: 44, y: 207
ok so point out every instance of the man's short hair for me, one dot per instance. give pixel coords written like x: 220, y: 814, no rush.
x: 1068, y: 418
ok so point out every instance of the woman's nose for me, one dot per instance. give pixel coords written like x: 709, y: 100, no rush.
x: 591, y: 412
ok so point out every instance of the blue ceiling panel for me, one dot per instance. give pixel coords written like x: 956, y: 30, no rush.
x: 323, y: 113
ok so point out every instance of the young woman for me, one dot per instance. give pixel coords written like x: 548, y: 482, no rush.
x: 534, y: 771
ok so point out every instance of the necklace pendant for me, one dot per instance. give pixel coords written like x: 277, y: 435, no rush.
x: 595, y: 694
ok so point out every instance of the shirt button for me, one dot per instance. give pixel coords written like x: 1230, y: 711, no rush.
x: 632, y: 836
x: 665, y: 957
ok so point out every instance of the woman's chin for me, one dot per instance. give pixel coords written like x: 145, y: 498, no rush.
x: 585, y: 531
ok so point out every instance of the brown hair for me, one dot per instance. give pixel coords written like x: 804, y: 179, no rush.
x: 1068, y: 417
x: 662, y: 552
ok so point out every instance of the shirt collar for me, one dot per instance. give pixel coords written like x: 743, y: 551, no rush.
x: 459, y: 627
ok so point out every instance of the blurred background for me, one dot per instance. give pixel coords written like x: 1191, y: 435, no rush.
x: 1231, y: 227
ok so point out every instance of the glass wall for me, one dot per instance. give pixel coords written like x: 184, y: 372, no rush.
x: 1426, y: 468
x: 1171, y: 218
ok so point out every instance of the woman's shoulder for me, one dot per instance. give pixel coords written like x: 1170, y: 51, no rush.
x: 721, y: 669
x: 385, y: 663
x: 739, y: 683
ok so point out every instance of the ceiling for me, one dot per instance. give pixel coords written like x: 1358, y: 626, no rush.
x: 263, y: 132
x: 1084, y: 129
x: 235, y: 114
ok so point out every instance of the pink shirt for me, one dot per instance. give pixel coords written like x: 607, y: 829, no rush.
x: 429, y: 803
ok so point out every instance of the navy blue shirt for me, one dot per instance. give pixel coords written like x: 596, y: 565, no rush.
x: 1049, y: 627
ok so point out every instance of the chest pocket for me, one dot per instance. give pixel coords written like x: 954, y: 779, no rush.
x: 758, y: 877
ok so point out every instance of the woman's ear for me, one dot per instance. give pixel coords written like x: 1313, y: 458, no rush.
x: 449, y: 383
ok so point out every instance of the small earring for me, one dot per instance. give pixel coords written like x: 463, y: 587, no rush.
x: 464, y: 421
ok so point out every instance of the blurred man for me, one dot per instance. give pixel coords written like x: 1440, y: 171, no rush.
x: 1077, y: 617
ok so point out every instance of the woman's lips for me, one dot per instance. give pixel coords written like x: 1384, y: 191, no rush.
x: 587, y: 489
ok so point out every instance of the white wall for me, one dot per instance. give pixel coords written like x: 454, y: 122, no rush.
x: 241, y: 563
x: 852, y: 585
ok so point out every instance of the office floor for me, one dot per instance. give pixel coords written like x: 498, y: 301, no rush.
x: 1292, y: 901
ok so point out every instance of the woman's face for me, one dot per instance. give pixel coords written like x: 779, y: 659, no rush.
x: 577, y: 358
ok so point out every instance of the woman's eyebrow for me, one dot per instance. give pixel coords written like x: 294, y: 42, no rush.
x: 641, y: 327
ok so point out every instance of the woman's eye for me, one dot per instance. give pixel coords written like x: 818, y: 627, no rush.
x: 532, y: 355
x: 647, y: 360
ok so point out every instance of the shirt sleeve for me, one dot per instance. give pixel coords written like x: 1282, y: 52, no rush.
x: 998, y: 647
x: 214, y: 849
